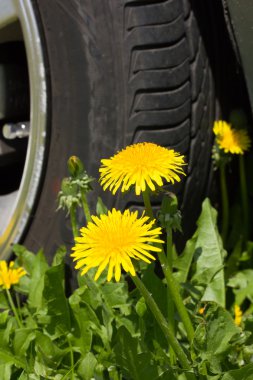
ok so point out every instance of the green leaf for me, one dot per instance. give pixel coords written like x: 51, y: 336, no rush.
x: 37, y: 280
x: 40, y: 370
x: 141, y: 307
x: 89, y: 291
x: 111, y: 299
x: 10, y: 327
x: 134, y: 364
x: 6, y: 357
x: 87, y: 367
x: 101, y: 208
x: 22, y: 339
x: 111, y: 312
x: 156, y: 287
x: 106, y: 327
x: 48, y: 352
x: 25, y: 258
x: 242, y: 286
x: 169, y: 374
x: 3, y: 300
x: 79, y: 305
x: 245, y: 373
x: 214, y: 338
x: 59, y: 255
x: 248, y: 353
x: 116, y: 296
x: 183, y: 262
x: 83, y: 322
x: 209, y: 256
x: 55, y: 300
x: 220, y: 330
x: 5, y: 370
x: 3, y: 317
x: 32, y: 376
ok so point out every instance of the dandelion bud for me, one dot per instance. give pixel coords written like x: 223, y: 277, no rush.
x: 75, y: 166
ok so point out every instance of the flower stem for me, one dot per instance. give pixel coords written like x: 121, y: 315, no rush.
x: 169, y: 246
x: 18, y: 307
x: 71, y: 359
x: 224, y: 196
x: 170, y: 303
x: 147, y: 204
x: 73, y: 221
x: 162, y: 322
x: 244, y: 196
x: 86, y: 208
x: 173, y: 289
x: 14, y: 310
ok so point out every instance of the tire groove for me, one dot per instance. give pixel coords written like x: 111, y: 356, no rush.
x: 152, y: 111
x: 164, y: 136
x: 152, y: 13
x: 138, y: 3
x: 161, y: 57
x: 167, y: 69
x: 163, y: 33
x: 164, y: 95
x: 160, y: 24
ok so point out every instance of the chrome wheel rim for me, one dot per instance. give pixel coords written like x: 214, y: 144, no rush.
x: 16, y: 208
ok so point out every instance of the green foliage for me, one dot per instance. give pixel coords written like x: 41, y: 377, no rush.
x: 204, y: 256
x: 58, y: 331
x: 101, y: 207
x: 215, y: 339
x: 241, y: 283
x: 209, y: 257
x: 244, y: 373
x: 134, y: 363
x: 106, y: 330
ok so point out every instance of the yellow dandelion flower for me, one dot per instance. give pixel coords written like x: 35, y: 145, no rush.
x: 238, y: 315
x: 231, y: 140
x: 10, y: 275
x: 113, y: 240
x: 142, y: 165
x: 202, y: 310
x: 220, y: 127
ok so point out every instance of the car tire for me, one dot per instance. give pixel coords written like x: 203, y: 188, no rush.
x: 121, y: 72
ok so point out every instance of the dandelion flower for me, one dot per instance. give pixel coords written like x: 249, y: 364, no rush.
x: 142, y: 165
x: 238, y: 315
x: 235, y: 141
x: 113, y: 240
x: 10, y: 276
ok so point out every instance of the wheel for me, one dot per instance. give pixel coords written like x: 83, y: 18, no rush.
x: 99, y: 76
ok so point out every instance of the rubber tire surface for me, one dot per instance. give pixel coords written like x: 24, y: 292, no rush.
x: 121, y: 72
